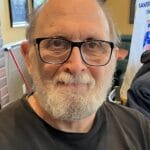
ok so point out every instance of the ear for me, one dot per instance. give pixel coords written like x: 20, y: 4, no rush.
x: 115, y: 50
x: 25, y: 53
x: 122, y: 54
x: 24, y: 47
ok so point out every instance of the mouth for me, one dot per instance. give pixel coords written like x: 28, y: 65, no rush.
x: 76, y: 86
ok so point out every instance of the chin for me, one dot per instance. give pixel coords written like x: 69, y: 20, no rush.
x: 73, y: 103
x: 69, y: 104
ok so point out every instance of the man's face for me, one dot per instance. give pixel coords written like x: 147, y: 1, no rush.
x: 73, y: 90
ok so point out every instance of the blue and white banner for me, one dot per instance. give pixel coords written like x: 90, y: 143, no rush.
x: 140, y: 42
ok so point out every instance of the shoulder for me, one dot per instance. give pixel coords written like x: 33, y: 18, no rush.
x: 141, y: 84
x: 125, y: 114
x: 128, y: 118
x: 128, y: 123
x: 15, y: 121
x: 10, y: 108
x: 8, y: 117
x: 145, y: 57
x: 12, y: 114
x: 8, y: 113
x: 146, y: 75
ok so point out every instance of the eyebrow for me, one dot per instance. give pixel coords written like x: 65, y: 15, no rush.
x: 60, y: 32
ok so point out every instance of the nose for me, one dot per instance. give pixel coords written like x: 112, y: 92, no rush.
x: 75, y: 64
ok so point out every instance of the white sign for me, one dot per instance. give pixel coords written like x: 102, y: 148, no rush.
x: 140, y: 42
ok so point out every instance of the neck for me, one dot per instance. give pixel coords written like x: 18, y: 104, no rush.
x: 78, y: 126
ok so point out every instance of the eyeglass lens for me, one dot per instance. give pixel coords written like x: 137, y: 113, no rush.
x: 58, y: 51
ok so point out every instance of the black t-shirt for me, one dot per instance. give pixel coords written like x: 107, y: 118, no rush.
x: 115, y: 128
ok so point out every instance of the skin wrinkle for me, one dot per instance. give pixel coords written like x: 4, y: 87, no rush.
x: 71, y: 35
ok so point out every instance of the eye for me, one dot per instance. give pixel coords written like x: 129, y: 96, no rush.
x: 57, y: 43
x: 54, y: 44
x: 92, y: 45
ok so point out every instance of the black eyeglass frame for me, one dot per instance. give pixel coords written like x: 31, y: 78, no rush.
x: 72, y: 44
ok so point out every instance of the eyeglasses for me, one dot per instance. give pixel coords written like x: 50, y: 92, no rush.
x: 58, y: 50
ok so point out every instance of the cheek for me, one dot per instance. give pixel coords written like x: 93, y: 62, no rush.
x: 43, y: 70
x: 98, y: 73
x: 48, y: 71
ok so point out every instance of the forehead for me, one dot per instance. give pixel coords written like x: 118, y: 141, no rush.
x: 71, y: 17
x: 71, y: 7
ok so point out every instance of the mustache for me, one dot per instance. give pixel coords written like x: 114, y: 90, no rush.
x: 67, y: 78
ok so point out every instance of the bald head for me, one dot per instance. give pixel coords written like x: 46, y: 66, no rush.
x: 69, y: 10
x: 72, y: 7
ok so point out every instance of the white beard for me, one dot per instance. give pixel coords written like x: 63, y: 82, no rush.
x: 72, y: 104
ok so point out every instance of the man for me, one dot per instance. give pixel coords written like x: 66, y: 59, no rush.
x: 71, y: 61
x: 139, y: 92
x: 145, y: 60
